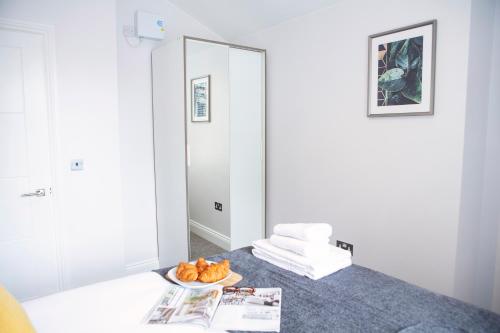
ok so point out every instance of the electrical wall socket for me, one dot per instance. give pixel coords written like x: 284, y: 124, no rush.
x: 346, y: 246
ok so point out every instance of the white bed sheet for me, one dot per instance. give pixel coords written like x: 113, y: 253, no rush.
x: 112, y: 306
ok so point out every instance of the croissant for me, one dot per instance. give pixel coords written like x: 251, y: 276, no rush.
x: 186, y: 272
x: 201, y: 264
x: 215, y: 272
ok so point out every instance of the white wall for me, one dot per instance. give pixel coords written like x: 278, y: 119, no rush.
x: 492, y: 176
x: 208, y: 172
x: 136, y: 133
x: 390, y: 186
x: 479, y: 210
x: 87, y: 112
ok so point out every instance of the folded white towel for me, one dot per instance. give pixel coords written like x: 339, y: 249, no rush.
x: 315, y: 268
x: 297, y: 269
x: 316, y: 232
x: 306, y: 249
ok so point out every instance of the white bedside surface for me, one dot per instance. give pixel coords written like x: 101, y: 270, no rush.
x: 112, y: 306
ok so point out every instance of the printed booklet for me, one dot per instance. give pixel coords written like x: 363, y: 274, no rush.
x: 224, y: 308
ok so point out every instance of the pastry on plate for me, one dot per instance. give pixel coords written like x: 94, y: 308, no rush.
x: 186, y: 272
x: 201, y: 264
x: 215, y: 272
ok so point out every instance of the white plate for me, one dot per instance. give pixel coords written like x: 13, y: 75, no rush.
x: 195, y: 284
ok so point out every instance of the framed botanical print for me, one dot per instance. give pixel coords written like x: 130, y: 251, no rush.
x: 401, y: 71
x: 200, y: 99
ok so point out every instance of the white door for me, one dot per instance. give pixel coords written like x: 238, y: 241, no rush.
x: 28, y: 261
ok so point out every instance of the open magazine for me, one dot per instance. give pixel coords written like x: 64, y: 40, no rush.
x: 190, y: 306
x: 228, y: 308
x: 249, y: 309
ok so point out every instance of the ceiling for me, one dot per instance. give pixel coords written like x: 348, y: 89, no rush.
x: 235, y: 18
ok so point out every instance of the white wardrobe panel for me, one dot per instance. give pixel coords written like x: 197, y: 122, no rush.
x: 246, y: 100
x: 170, y: 157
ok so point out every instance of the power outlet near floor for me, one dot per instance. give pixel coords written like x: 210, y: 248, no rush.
x: 346, y: 246
x: 218, y: 206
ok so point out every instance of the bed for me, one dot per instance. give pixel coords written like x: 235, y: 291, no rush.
x: 355, y: 299
x: 358, y: 299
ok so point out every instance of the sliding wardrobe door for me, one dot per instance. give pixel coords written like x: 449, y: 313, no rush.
x: 209, y: 138
x: 247, y: 148
x: 169, y: 142
x: 207, y: 135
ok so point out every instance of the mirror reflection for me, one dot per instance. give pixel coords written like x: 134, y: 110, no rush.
x: 225, y: 146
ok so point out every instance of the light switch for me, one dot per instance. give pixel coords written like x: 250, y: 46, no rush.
x: 76, y: 165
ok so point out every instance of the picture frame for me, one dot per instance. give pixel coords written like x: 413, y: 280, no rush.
x: 200, y: 99
x: 401, y: 71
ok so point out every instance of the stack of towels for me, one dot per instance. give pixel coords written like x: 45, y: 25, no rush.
x: 303, y: 248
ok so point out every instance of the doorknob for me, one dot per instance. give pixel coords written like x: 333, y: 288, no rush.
x: 38, y: 193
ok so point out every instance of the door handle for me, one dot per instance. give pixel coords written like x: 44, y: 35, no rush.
x: 38, y: 193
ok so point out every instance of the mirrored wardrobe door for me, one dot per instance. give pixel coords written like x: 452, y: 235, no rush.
x: 207, y: 136
x: 225, y: 146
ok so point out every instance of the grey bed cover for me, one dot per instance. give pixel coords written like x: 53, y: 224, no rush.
x: 357, y: 299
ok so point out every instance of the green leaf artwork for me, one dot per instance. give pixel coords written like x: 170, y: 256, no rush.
x: 400, y: 72
x: 392, y: 80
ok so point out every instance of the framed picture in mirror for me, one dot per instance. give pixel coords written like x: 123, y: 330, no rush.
x: 401, y: 71
x: 200, y: 99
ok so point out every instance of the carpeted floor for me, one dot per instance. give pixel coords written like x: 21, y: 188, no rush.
x: 200, y: 247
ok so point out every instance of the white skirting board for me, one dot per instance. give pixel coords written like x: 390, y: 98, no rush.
x: 142, y: 266
x: 210, y: 235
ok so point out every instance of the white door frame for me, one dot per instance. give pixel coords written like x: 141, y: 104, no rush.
x: 47, y: 32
